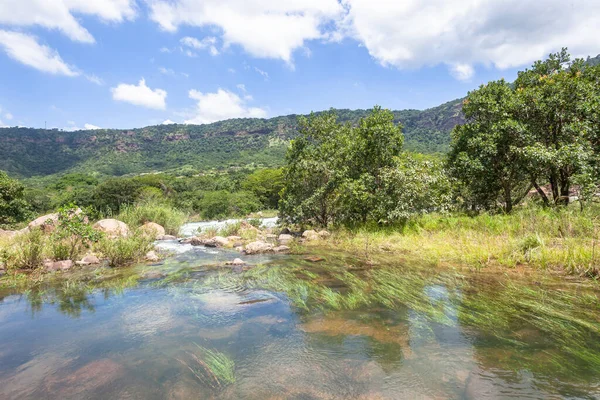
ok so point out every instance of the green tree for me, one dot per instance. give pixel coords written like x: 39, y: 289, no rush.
x: 13, y: 207
x: 560, y: 108
x: 110, y: 195
x: 266, y: 184
x: 484, y: 156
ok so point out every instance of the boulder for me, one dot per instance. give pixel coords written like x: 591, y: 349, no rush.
x: 237, y: 261
x: 166, y: 237
x: 153, y: 229
x: 112, y: 227
x: 89, y: 260
x: 271, y: 238
x: 324, y: 234
x: 258, y: 247
x: 286, y: 231
x: 47, y: 223
x: 152, y: 256
x: 58, y: 265
x: 310, y: 235
x: 281, y: 249
x: 234, y: 238
x: 285, y: 238
x: 7, y: 234
x: 3, y: 269
x: 220, y: 241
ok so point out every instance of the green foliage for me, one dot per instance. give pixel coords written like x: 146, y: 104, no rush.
x: 126, y: 250
x: 222, y: 204
x: 112, y: 194
x: 155, y: 211
x: 27, y: 252
x: 266, y: 184
x: 13, y: 207
x: 73, y: 234
x: 544, y: 130
x: 343, y: 174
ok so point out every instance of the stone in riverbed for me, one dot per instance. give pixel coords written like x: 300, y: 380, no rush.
x: 88, y: 260
x: 166, y: 237
x: 152, y: 256
x: 47, y: 223
x: 153, y: 229
x: 281, y: 249
x: 153, y: 275
x: 258, y: 248
x: 285, y: 238
x: 314, y: 259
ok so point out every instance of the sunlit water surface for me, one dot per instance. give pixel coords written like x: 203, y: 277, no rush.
x: 295, y: 329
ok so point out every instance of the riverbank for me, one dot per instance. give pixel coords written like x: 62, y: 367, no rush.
x: 562, y: 241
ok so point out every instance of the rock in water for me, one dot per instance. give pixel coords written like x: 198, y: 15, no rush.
x: 237, y: 261
x: 258, y: 248
x: 152, y: 229
x: 152, y: 256
x: 111, y: 227
x: 166, y: 237
x: 285, y: 238
x: 281, y: 249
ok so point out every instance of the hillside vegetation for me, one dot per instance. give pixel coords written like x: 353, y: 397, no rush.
x: 26, y: 152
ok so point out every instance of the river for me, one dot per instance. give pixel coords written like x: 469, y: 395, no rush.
x: 285, y: 327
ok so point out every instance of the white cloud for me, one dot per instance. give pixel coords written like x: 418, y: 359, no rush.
x: 94, y: 79
x: 8, y: 116
x: 25, y: 49
x: 241, y: 86
x: 168, y: 122
x: 264, y: 28
x: 140, y: 95
x: 166, y: 71
x: 208, y: 42
x: 165, y: 50
x: 462, y: 33
x: 462, y: 72
x: 91, y: 127
x: 263, y: 73
x: 221, y: 105
x: 58, y: 14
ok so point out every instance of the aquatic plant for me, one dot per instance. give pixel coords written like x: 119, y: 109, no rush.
x: 211, y: 367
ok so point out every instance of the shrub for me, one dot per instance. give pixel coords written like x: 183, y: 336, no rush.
x: 28, y: 251
x: 122, y: 251
x: 153, y: 211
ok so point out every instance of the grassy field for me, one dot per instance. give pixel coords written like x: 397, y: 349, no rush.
x: 565, y: 240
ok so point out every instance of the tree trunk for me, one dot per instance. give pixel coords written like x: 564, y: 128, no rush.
x: 508, y: 204
x: 541, y: 193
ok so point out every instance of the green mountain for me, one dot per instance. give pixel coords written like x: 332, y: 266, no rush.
x: 27, y: 152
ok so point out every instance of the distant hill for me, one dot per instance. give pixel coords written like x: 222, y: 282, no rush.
x: 27, y: 152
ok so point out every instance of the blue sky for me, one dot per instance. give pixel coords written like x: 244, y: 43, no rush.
x: 132, y: 63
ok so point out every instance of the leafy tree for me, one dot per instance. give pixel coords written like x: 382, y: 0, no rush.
x: 13, y: 207
x: 266, y: 184
x: 110, y: 195
x: 560, y: 108
x: 484, y: 156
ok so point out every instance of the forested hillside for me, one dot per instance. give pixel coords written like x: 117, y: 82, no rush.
x: 29, y: 152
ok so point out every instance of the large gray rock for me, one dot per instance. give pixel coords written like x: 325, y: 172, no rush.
x: 88, y: 260
x: 153, y: 229
x: 220, y: 241
x: 285, y: 238
x: 258, y: 248
x: 281, y: 249
x: 237, y: 261
x: 324, y: 234
x: 310, y: 235
x: 47, y: 223
x: 112, y: 227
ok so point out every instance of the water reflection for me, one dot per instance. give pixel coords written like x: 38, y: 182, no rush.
x: 296, y: 329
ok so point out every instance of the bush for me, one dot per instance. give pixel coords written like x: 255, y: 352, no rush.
x: 28, y: 251
x: 122, y: 251
x: 153, y: 211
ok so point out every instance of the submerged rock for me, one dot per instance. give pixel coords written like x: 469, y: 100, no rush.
x: 153, y: 275
x: 153, y: 229
x: 112, y: 227
x: 258, y: 248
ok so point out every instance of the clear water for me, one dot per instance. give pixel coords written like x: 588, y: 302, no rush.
x: 295, y: 329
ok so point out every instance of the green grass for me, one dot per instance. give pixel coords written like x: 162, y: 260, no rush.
x: 123, y: 251
x: 211, y: 367
x: 158, y: 212
x: 565, y: 240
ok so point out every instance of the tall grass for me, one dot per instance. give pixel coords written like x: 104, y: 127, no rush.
x: 211, y: 367
x: 562, y: 239
x: 153, y: 211
x: 122, y: 251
